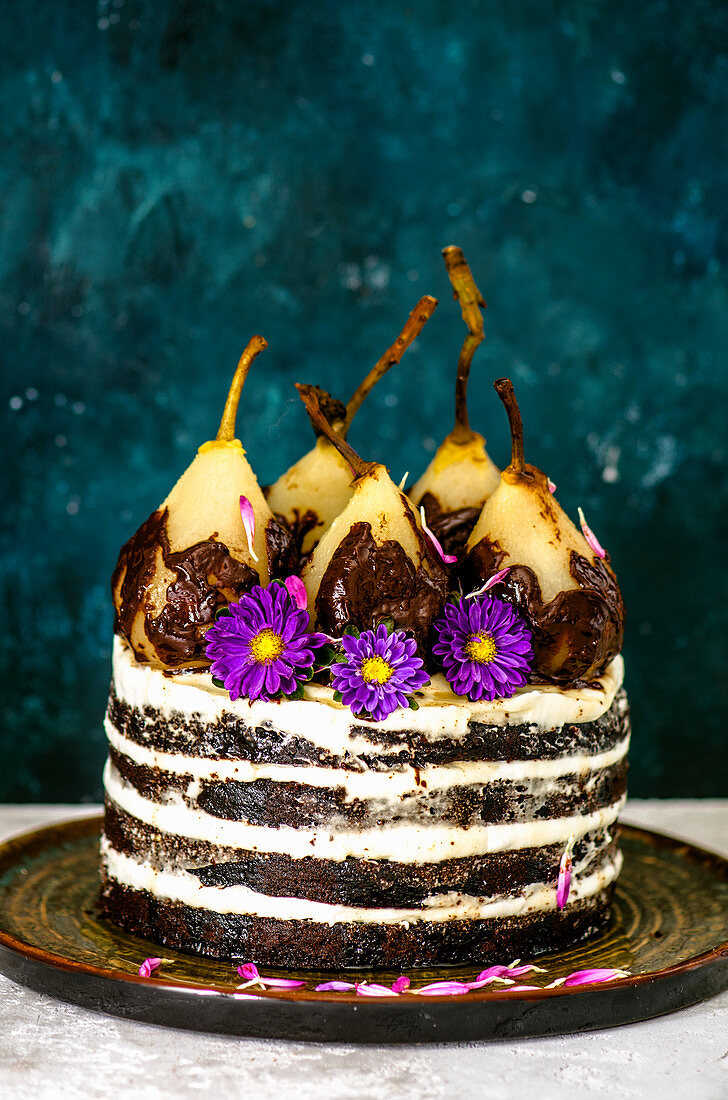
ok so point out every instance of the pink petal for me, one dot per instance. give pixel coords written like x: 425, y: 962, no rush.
x: 516, y: 971
x: 444, y: 989
x: 145, y: 970
x: 401, y: 984
x: 248, y: 517
x: 491, y: 973
x: 491, y: 581
x: 552, y: 487
x: 249, y: 971
x: 518, y: 988
x: 282, y: 983
x: 591, y: 538
x: 449, y: 559
x: 297, y: 589
x: 372, y: 989
x: 592, y: 977
x: 334, y: 987
x: 563, y: 884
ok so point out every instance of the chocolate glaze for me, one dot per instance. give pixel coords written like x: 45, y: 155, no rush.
x: 299, y: 528
x: 229, y: 738
x: 577, y: 633
x: 207, y: 578
x: 365, y: 583
x: 307, y: 943
x: 451, y: 529
x: 373, y: 883
x: 281, y: 548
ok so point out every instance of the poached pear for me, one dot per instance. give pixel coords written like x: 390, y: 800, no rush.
x: 192, y: 555
x: 374, y: 562
x: 318, y: 487
x: 462, y: 475
x: 566, y: 591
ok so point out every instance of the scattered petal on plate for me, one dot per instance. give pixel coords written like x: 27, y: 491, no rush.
x: 401, y: 984
x: 145, y: 970
x: 373, y: 989
x: 592, y: 977
x: 443, y: 989
x: 282, y: 983
x: 334, y: 987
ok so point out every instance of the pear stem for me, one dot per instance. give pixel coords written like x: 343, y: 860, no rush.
x: 358, y: 466
x: 504, y: 388
x: 470, y: 299
x: 226, y: 431
x: 414, y: 324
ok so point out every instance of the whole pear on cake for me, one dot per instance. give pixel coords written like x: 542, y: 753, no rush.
x: 559, y: 577
x: 315, y: 489
x: 210, y: 541
x: 375, y: 562
x: 462, y: 475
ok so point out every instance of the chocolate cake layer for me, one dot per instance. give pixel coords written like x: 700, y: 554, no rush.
x: 309, y: 944
x: 293, y: 834
x: 231, y: 738
x: 353, y: 882
x: 271, y: 803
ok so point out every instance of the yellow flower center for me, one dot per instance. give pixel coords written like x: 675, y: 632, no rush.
x: 376, y: 670
x: 481, y: 648
x: 266, y: 646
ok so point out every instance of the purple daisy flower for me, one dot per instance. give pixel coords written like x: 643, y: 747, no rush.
x: 262, y: 648
x: 380, y: 671
x: 484, y: 648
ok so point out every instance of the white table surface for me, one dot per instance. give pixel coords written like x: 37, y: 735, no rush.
x: 50, y: 1049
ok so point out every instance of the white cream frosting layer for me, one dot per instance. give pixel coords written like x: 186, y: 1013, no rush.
x: 389, y: 786
x: 406, y: 842
x: 328, y: 724
x: 180, y: 886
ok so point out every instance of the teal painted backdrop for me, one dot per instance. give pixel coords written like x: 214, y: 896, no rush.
x: 176, y: 176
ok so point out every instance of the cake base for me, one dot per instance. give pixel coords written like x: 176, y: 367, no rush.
x: 310, y: 945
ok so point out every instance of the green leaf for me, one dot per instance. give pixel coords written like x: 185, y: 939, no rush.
x: 338, y: 697
x: 297, y: 694
x: 222, y: 611
x: 387, y: 621
x: 218, y: 683
x: 326, y: 654
x: 353, y: 631
x: 414, y: 705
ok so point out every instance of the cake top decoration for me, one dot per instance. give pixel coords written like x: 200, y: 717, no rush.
x: 378, y: 672
x: 557, y: 579
x: 461, y: 475
x: 312, y: 493
x: 484, y: 647
x: 193, y: 555
x: 475, y: 572
x: 261, y: 647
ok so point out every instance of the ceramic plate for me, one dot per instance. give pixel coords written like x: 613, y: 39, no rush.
x: 669, y: 930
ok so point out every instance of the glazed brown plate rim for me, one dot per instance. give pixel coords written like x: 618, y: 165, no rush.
x: 85, y: 826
